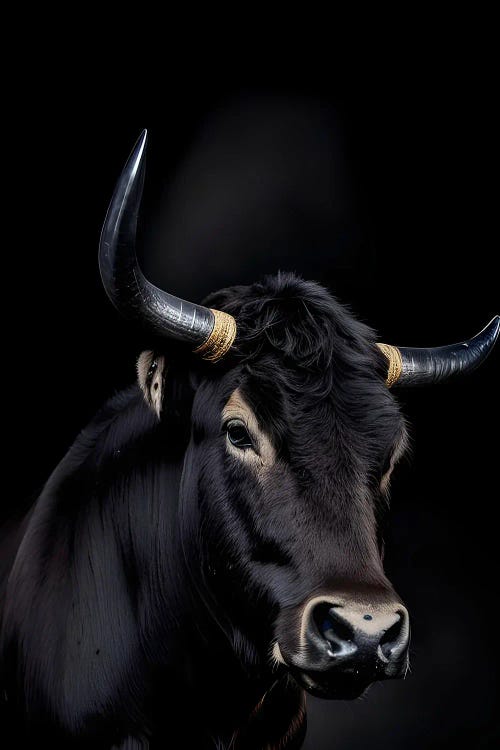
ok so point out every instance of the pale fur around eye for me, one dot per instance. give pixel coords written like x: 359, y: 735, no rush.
x: 261, y: 452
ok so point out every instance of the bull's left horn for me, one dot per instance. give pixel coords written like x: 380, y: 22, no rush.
x: 209, y: 332
x: 410, y: 367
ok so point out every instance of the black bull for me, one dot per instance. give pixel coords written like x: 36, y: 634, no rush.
x: 209, y: 546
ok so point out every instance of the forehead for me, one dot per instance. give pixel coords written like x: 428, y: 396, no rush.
x: 236, y: 406
x: 356, y: 415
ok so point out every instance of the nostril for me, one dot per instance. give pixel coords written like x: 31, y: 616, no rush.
x: 393, y: 640
x: 334, y: 629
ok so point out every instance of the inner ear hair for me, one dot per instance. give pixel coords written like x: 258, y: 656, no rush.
x: 151, y: 372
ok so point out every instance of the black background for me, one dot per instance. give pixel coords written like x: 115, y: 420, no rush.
x: 391, y: 200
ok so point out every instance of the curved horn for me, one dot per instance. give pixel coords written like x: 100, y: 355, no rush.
x: 210, y: 332
x: 411, y: 367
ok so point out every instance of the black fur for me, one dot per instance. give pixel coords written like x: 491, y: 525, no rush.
x: 155, y: 569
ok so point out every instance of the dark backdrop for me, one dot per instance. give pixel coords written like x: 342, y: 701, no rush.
x: 380, y: 182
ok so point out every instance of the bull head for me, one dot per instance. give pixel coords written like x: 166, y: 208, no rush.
x: 211, y: 333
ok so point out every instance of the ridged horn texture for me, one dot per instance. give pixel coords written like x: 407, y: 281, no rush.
x: 209, y: 332
x: 414, y: 367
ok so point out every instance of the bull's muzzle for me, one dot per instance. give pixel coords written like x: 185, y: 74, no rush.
x: 346, y: 645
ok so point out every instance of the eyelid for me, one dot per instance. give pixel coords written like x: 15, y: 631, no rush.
x: 237, y: 420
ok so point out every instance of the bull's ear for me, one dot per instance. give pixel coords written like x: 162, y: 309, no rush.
x: 151, y: 373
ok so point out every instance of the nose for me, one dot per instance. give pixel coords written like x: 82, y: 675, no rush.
x: 368, y: 640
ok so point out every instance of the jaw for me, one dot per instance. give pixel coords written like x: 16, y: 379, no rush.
x: 328, y: 685
x: 339, y: 687
x: 335, y: 686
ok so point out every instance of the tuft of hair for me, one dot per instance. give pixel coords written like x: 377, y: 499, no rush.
x: 301, y: 321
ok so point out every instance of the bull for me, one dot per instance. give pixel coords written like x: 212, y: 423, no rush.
x: 209, y: 545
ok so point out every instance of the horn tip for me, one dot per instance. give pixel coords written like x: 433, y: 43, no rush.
x: 488, y: 337
x: 141, y: 143
x: 136, y: 160
x: 495, y: 327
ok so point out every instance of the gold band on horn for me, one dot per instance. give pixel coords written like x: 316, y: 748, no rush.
x: 220, y: 340
x: 393, y: 356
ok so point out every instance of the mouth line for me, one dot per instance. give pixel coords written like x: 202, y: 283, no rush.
x: 342, y: 687
x: 305, y: 678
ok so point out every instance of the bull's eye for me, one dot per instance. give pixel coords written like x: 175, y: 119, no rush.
x: 238, y: 435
